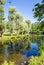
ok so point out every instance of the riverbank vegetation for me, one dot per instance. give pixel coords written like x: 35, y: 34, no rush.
x: 16, y: 23
x: 16, y: 33
x: 38, y: 60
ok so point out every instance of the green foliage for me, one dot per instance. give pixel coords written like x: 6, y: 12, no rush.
x: 22, y: 40
x: 2, y: 2
x: 39, y: 11
x: 5, y: 63
x: 6, y: 41
x: 15, y: 38
x: 37, y: 27
x: 41, y: 26
x: 16, y: 23
x: 12, y: 11
x: 41, y: 47
x: 14, y: 34
x: 7, y: 34
x: 0, y: 41
x: 10, y: 63
x: 1, y: 8
x: 29, y: 25
x: 18, y: 17
x: 0, y: 35
x: 37, y: 60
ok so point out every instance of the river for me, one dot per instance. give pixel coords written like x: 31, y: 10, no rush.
x: 12, y: 52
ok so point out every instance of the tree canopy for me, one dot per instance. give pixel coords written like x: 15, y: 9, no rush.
x: 39, y: 11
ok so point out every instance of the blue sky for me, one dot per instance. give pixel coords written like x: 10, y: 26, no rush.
x: 24, y: 7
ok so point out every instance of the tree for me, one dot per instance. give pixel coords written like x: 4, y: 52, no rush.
x: 18, y: 17
x: 39, y: 11
x: 29, y: 24
x: 37, y: 27
x: 2, y: 2
x: 15, y: 18
x: 11, y: 17
x: 41, y: 26
x: 12, y: 11
x: 18, y: 22
x: 33, y: 27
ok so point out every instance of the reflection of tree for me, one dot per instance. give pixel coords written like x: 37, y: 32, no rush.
x: 21, y: 44
x: 36, y: 39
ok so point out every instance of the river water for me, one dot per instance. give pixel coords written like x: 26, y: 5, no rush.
x: 12, y: 52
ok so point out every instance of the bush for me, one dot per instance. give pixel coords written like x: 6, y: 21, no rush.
x: 39, y: 60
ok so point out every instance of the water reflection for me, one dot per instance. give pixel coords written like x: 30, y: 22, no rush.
x: 17, y: 50
x: 35, y: 43
x: 32, y: 51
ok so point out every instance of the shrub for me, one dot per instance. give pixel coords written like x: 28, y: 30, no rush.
x: 39, y: 60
